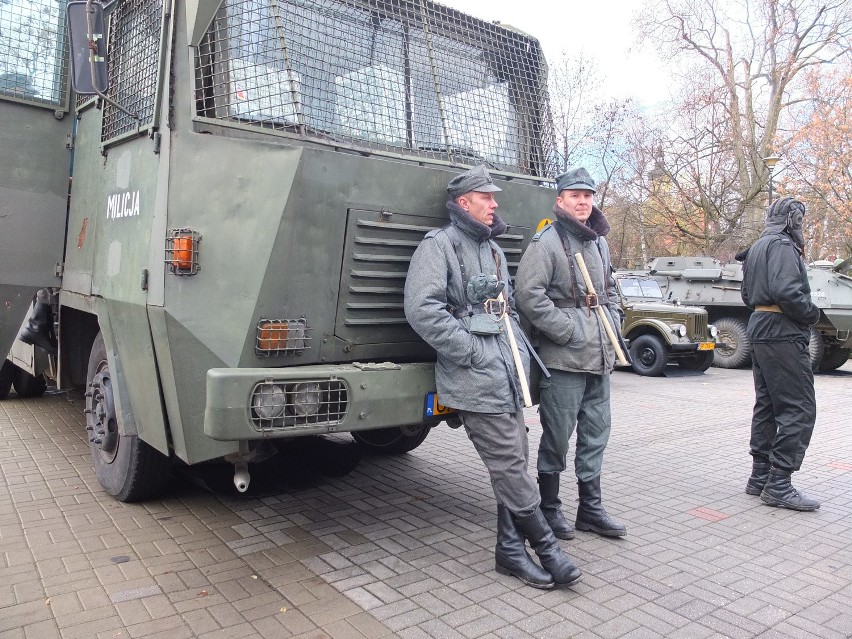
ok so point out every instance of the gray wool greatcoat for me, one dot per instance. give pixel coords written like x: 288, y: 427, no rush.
x: 570, y: 338
x: 474, y: 373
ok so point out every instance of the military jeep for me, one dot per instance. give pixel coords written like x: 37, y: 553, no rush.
x: 659, y: 331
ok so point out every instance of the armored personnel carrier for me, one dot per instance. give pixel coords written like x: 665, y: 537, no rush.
x: 705, y: 282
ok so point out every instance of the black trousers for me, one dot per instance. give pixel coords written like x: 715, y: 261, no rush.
x: 784, y: 403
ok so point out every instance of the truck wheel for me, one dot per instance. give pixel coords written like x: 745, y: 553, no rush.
x: 699, y: 362
x: 833, y: 359
x: 649, y: 355
x: 27, y: 385
x: 816, y: 349
x: 127, y: 468
x: 394, y: 440
x: 7, y: 376
x: 733, y: 348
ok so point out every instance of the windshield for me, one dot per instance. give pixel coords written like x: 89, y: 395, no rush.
x: 637, y: 287
x: 418, y: 77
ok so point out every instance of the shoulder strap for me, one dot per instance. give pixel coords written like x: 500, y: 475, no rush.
x: 566, y: 242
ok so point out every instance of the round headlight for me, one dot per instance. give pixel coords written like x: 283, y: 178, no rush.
x: 268, y: 401
x: 714, y: 332
x: 306, y: 399
x: 679, y: 329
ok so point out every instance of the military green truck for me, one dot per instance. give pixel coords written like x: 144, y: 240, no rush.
x: 660, y: 332
x: 705, y: 282
x: 250, y: 180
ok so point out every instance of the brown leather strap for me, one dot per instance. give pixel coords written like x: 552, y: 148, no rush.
x: 771, y: 308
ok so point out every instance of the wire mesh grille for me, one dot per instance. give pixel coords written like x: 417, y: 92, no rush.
x: 282, y: 337
x: 313, y: 402
x: 33, y: 45
x: 135, y: 32
x: 398, y: 75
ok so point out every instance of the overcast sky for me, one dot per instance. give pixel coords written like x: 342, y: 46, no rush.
x: 602, y: 29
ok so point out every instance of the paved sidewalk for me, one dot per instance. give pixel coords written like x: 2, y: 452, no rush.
x: 403, y: 547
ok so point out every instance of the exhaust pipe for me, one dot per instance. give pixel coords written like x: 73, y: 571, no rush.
x: 241, y: 476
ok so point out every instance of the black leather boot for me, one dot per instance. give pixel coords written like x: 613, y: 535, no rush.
x: 779, y: 492
x: 511, y: 556
x: 759, y: 475
x: 551, y: 506
x: 591, y: 515
x: 39, y: 328
x: 536, y: 529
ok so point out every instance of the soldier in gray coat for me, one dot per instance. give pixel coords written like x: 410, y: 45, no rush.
x: 573, y: 344
x: 453, y: 272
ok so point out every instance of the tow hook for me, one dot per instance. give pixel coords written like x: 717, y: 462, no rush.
x: 241, y: 476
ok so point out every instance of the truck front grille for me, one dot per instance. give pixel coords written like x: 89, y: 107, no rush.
x: 277, y: 405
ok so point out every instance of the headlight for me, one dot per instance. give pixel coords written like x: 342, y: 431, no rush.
x: 679, y: 329
x: 305, y: 399
x: 268, y: 401
x: 714, y: 332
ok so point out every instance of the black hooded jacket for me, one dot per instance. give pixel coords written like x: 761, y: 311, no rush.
x: 774, y: 273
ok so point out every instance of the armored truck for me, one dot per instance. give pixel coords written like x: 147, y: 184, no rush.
x: 659, y: 332
x: 225, y: 269
x: 705, y: 282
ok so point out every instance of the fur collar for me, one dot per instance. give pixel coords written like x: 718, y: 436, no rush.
x: 479, y: 231
x: 595, y: 227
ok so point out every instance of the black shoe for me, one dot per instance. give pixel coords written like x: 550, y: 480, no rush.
x: 551, y: 506
x: 779, y: 492
x: 536, y: 529
x: 511, y: 556
x: 39, y: 328
x: 759, y: 475
x: 591, y: 516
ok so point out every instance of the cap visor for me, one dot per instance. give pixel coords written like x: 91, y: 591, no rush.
x: 487, y: 188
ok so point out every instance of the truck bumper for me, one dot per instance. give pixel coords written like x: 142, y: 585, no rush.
x: 244, y: 403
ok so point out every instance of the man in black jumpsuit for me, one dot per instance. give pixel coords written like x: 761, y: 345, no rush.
x: 775, y: 285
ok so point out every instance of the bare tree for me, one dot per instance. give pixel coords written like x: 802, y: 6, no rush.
x: 741, y: 65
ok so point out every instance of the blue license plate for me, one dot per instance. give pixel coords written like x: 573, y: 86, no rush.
x: 434, y: 408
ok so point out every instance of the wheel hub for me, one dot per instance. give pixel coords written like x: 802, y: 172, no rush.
x: 101, y: 421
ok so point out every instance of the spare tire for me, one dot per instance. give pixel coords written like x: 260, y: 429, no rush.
x: 733, y: 348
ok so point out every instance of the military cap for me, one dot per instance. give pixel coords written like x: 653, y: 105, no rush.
x: 576, y: 180
x: 475, y: 179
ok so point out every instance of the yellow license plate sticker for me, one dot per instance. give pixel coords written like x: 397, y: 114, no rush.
x: 706, y: 346
x: 434, y: 408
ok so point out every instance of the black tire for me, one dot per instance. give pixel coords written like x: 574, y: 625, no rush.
x: 700, y: 361
x: 649, y: 355
x: 394, y: 440
x: 733, y: 347
x: 816, y: 349
x: 127, y: 468
x: 27, y: 385
x: 833, y: 359
x: 7, y: 377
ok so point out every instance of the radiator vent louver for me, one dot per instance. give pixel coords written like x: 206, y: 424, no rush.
x: 378, y: 251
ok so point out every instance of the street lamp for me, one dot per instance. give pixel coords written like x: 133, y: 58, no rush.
x: 770, y: 162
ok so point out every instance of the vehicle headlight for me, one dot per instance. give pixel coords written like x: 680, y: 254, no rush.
x: 306, y: 399
x: 714, y: 332
x: 268, y: 401
x: 679, y: 329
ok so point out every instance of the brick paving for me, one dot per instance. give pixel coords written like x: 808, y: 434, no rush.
x: 402, y: 546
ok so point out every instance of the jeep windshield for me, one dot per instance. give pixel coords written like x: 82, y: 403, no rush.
x: 632, y: 287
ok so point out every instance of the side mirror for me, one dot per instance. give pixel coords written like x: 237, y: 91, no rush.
x: 88, y: 65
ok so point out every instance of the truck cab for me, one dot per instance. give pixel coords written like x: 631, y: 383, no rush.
x: 250, y: 180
